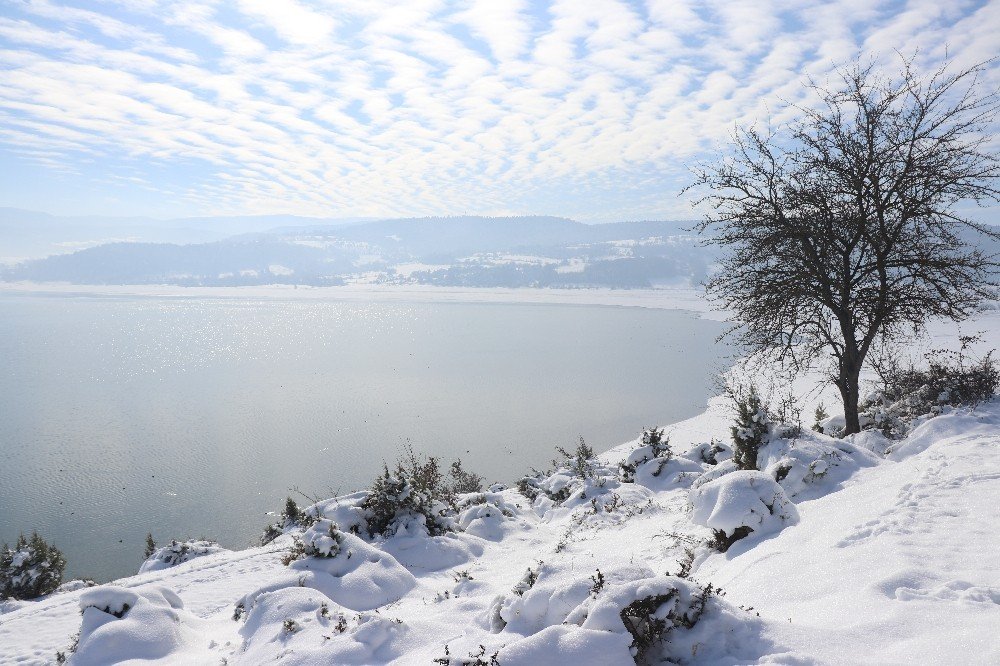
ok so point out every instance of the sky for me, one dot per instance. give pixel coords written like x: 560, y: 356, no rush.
x: 589, y: 109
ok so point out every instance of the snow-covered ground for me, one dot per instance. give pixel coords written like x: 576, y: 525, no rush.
x: 859, y: 555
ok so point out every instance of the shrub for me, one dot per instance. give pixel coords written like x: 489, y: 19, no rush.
x: 474, y: 659
x: 654, y: 447
x: 750, y: 431
x: 150, y: 547
x: 578, y: 461
x: 31, y: 569
x: 709, y: 452
x: 528, y: 580
x: 179, y: 552
x: 819, y: 416
x: 291, y: 516
x: 951, y: 378
x: 736, y: 504
x: 417, y: 488
x: 321, y: 540
x: 650, y: 620
x: 464, y: 482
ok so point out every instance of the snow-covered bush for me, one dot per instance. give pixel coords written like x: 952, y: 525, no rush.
x: 526, y: 609
x: 655, y: 448
x: 121, y: 625
x: 292, y: 516
x: 736, y: 504
x: 178, y: 552
x: 75, y: 585
x: 486, y: 515
x: 814, y: 464
x: 753, y: 423
x: 416, y: 490
x: 951, y: 378
x: 31, y: 569
x: 711, y: 453
x: 650, y: 610
x: 322, y: 539
x: 302, y: 625
x: 343, y: 566
x: 576, y: 471
x: 580, y: 460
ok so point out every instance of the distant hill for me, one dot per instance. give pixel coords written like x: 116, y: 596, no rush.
x: 464, y: 251
x: 28, y: 234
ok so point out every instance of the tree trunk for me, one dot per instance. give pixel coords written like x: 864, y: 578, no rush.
x: 847, y: 382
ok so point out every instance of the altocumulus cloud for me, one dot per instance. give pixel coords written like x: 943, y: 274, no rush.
x: 587, y: 108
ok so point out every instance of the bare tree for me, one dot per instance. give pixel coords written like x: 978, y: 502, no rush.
x: 841, y: 231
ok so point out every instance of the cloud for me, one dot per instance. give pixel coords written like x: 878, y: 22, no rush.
x: 586, y: 108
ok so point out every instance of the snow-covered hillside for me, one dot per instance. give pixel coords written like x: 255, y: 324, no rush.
x: 864, y: 550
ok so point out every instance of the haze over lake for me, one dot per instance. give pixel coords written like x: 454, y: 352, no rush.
x: 191, y: 417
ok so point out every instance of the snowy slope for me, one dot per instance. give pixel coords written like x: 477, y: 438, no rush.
x: 882, y: 559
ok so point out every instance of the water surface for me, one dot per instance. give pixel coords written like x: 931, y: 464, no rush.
x: 194, y: 417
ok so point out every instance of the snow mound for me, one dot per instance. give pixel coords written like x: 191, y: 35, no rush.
x: 179, y: 552
x: 541, y: 598
x: 417, y: 551
x: 963, y: 423
x: 641, y: 617
x: 559, y: 645
x: 299, y: 625
x: 489, y: 516
x: 345, y: 568
x: 742, y: 499
x: 812, y: 465
x: 345, y: 511
x: 147, y: 624
x: 660, y: 474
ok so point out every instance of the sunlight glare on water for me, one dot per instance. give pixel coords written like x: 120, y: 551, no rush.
x: 195, y: 417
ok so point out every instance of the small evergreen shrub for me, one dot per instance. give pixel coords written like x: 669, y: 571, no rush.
x: 579, y: 460
x: 651, y: 619
x: 819, y: 416
x: 179, y: 552
x: 751, y: 428
x: 321, y: 540
x: 580, y: 465
x: 31, y: 569
x: 655, y: 446
x: 417, y: 488
x: 150, y: 546
x: 291, y: 516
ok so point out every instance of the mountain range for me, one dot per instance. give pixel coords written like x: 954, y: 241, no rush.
x: 456, y: 251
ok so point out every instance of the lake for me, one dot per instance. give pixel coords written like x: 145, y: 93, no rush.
x: 194, y: 417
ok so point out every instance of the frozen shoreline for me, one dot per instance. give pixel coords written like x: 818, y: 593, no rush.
x: 680, y: 298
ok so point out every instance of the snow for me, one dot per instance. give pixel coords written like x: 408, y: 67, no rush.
x: 743, y: 498
x: 143, y: 625
x: 864, y: 550
x: 179, y: 552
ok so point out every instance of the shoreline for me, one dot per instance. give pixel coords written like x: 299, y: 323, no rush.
x: 679, y: 298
